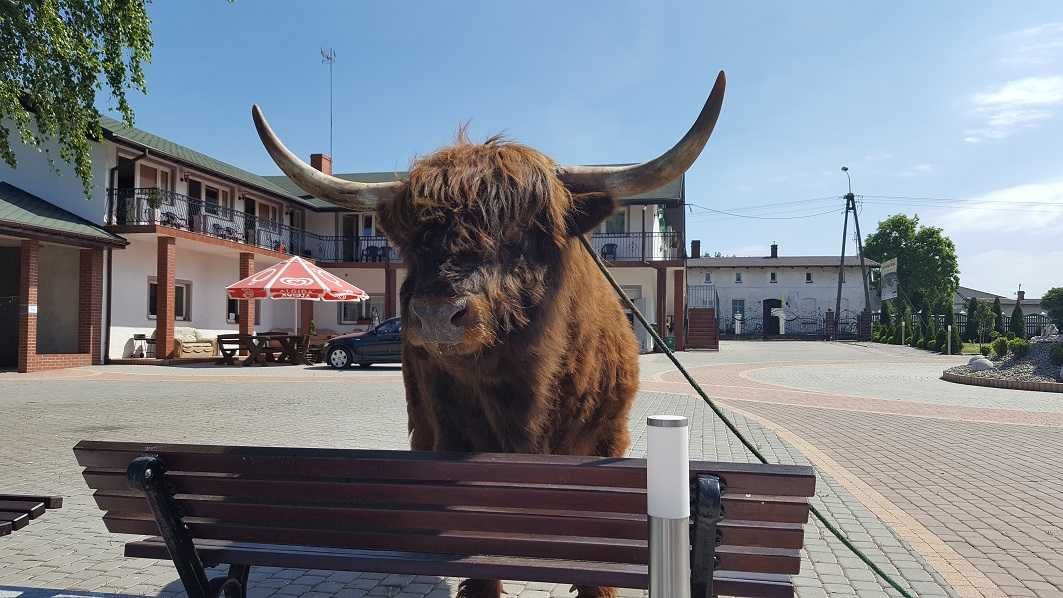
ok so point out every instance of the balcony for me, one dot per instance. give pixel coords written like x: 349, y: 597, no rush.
x: 638, y: 247
x: 132, y: 207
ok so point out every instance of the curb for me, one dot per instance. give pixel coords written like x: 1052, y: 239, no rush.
x: 997, y: 383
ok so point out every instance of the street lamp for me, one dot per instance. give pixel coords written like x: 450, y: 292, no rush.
x: 845, y: 169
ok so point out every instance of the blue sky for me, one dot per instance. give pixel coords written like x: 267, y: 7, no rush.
x: 936, y: 100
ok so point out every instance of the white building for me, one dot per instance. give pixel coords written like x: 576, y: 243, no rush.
x: 804, y: 286
x: 160, y: 211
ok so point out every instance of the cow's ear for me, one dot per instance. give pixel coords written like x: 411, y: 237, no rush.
x: 588, y: 211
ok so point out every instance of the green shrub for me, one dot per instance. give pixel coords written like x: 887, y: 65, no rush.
x: 1000, y: 347
x: 984, y: 350
x: 1010, y: 336
x: 1017, y: 324
x: 1019, y: 346
x: 957, y: 342
x: 1057, y: 354
x: 939, y: 341
x: 993, y: 334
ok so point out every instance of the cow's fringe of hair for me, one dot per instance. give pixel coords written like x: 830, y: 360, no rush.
x: 487, y: 189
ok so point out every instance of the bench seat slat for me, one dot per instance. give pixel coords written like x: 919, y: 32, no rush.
x: 789, y: 480
x: 492, y: 567
x: 16, y: 519
x: 30, y: 507
x: 5, y: 528
x: 50, y: 502
x: 737, y: 558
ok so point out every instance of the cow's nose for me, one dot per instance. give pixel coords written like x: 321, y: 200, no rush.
x: 442, y: 320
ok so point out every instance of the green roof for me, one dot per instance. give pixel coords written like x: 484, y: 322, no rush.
x: 166, y: 148
x: 22, y: 209
x: 671, y: 193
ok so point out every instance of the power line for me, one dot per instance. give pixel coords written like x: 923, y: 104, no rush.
x: 726, y: 213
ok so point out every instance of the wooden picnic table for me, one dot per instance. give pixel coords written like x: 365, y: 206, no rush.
x: 261, y: 348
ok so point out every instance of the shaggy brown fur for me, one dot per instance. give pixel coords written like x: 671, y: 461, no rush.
x: 548, y: 363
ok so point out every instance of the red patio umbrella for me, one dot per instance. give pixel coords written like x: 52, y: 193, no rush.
x: 295, y: 279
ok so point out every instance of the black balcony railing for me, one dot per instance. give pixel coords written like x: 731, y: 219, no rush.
x: 166, y: 208
x: 638, y: 247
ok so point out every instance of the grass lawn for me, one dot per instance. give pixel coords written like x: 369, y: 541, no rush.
x: 970, y: 349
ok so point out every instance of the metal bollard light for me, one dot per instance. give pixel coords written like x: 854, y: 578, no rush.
x: 668, y: 502
x: 949, y: 341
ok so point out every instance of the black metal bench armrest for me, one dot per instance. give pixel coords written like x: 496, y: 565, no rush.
x: 706, y: 511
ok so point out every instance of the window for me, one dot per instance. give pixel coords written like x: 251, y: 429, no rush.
x: 232, y: 311
x: 154, y: 178
x: 708, y: 278
x: 616, y: 224
x: 218, y: 201
x: 182, y: 305
x: 354, y: 312
x: 772, y: 278
x: 269, y: 216
x: 808, y: 278
x: 738, y: 278
x: 738, y: 306
x: 390, y: 327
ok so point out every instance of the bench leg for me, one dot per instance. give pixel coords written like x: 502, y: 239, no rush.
x: 233, y: 585
x: 707, y: 512
x: 146, y: 474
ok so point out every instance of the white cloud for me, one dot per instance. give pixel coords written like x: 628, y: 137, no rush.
x: 1017, y: 104
x: 1033, y: 46
x: 1031, y: 209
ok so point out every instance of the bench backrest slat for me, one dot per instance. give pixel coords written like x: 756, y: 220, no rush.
x: 532, y: 506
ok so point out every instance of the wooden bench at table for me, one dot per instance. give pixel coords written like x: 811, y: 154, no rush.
x: 16, y: 510
x: 550, y: 518
x: 229, y: 345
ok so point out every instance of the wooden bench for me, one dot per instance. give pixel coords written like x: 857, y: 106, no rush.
x: 562, y: 519
x: 16, y: 510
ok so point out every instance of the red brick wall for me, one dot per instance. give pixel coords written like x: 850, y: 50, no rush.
x: 90, y: 304
x: 164, y: 296
x: 247, y: 307
x: 27, y: 296
x: 28, y: 358
x: 322, y: 162
x: 679, y: 292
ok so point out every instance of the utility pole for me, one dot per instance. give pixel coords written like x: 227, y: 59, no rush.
x: 329, y: 55
x: 850, y: 206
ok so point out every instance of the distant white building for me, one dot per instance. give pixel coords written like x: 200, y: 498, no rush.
x: 804, y: 286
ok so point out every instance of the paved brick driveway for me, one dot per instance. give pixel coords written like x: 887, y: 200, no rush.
x: 898, y: 456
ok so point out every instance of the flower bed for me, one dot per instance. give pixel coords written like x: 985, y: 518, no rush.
x: 1033, y: 371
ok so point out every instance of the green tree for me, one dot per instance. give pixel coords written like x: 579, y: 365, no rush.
x: 1017, y: 325
x: 970, y: 327
x: 1052, y: 302
x: 56, y: 56
x: 986, y: 318
x: 998, y: 316
x: 886, y: 318
x: 927, y: 269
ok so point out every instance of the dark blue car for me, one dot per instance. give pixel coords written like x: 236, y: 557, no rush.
x: 382, y: 344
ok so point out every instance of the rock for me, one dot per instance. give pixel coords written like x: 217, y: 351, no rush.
x: 974, y: 359
x: 980, y: 364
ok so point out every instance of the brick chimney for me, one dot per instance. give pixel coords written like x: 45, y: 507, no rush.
x: 322, y: 162
x: 695, y: 249
x: 1022, y: 295
x: 774, y: 250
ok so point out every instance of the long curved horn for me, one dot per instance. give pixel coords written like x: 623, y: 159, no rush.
x: 638, y: 178
x: 348, y: 194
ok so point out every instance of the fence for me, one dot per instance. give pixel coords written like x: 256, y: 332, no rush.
x: 1034, y: 324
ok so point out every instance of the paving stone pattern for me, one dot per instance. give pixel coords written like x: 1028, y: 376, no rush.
x: 69, y: 551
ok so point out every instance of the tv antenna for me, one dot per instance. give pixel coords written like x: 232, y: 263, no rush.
x: 329, y: 55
